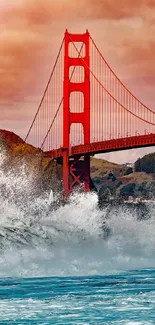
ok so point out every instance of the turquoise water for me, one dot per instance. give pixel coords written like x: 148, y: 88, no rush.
x: 126, y: 298
x: 60, y: 267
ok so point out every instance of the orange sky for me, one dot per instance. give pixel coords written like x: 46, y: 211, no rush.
x: 30, y: 35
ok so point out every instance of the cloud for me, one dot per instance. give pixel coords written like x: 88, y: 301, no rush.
x: 28, y: 27
x: 18, y: 56
x: 110, y: 9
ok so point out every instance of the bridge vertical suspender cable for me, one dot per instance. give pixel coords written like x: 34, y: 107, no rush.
x: 118, y: 78
x: 45, y: 91
x: 111, y: 96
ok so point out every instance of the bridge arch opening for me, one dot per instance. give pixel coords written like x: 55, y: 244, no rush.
x: 76, y: 102
x: 76, y: 49
x: 76, y: 134
x: 76, y: 74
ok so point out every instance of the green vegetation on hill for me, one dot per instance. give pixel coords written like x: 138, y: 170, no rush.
x: 123, y: 180
x: 146, y: 164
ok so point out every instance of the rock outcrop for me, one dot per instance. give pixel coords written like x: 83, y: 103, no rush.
x: 17, y: 156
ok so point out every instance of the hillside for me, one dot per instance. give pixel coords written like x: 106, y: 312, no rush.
x: 121, y: 180
x: 100, y: 167
x: 46, y: 174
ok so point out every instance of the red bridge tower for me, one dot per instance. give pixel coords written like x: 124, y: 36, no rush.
x: 72, y: 166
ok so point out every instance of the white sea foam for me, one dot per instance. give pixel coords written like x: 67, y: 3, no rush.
x: 69, y: 241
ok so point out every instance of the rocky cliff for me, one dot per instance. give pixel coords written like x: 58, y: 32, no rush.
x: 16, y: 154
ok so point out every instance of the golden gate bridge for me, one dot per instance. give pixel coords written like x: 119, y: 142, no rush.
x: 86, y: 110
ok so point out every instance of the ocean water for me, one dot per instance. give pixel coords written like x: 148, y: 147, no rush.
x: 60, y: 267
x: 124, y: 298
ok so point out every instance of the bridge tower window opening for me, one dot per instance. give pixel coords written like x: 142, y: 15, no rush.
x: 81, y: 48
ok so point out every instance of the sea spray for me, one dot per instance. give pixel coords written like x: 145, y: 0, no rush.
x: 37, y: 240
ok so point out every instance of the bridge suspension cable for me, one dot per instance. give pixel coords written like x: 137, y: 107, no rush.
x: 126, y: 109
x: 103, y: 58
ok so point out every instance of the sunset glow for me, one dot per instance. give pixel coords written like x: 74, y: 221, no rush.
x: 30, y: 35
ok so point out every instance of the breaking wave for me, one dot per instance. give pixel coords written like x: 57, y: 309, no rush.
x: 36, y: 240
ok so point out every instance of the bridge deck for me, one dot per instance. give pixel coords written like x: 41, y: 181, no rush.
x: 106, y: 146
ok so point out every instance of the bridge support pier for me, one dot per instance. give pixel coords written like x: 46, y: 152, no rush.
x: 87, y: 173
x: 65, y: 173
x: 76, y: 172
